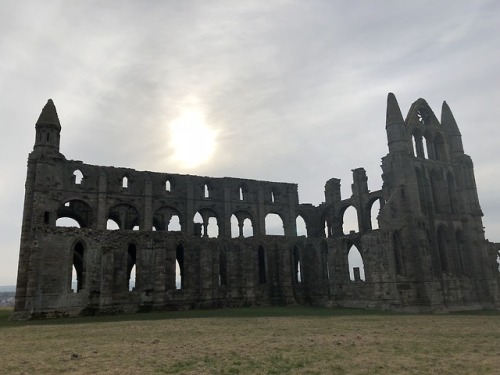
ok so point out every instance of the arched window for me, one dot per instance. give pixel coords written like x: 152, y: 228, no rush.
x: 328, y: 229
x: 212, y: 227
x: 356, y: 265
x: 179, y: 267
x: 374, y: 212
x: 242, y: 193
x: 174, y: 225
x: 418, y: 147
x: 297, y: 267
x: 73, y: 213
x: 199, y: 229
x: 274, y: 225
x: 67, y: 222
x: 273, y: 196
x: 301, y: 226
x: 206, y: 191
x: 78, y: 268
x: 131, y: 267
x: 350, y: 220
x: 235, y: 229
x: 77, y: 177
x: 125, y: 182
x: 112, y: 225
x: 429, y: 146
x: 247, y: 228
x: 261, y: 265
x: 168, y: 186
x: 125, y: 215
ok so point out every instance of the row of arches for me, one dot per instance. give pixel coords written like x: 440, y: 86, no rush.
x: 76, y: 213
x: 428, y: 146
x: 130, y: 275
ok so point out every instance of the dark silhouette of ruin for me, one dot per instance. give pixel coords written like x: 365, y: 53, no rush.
x: 429, y: 252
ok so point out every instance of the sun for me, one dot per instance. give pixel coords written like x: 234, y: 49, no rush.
x: 192, y: 140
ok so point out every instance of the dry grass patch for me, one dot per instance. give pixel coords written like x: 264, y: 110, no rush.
x: 286, y: 341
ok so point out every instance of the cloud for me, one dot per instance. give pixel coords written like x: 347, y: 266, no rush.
x: 296, y: 90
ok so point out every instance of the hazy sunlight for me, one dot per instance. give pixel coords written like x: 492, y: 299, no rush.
x: 192, y: 140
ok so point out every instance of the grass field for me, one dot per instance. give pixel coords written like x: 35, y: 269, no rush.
x: 292, y: 340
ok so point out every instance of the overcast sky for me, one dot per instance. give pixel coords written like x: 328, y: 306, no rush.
x: 291, y: 91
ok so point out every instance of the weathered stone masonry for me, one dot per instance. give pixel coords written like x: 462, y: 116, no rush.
x: 428, y: 253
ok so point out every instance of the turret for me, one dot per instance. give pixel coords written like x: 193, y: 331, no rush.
x: 395, y: 125
x: 48, y: 128
x: 450, y: 125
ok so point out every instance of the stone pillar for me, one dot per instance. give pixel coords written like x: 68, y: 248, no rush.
x: 148, y: 206
x: 261, y: 212
x: 225, y: 225
x: 101, y: 202
x: 188, y: 220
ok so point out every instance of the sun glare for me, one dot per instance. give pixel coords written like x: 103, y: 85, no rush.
x: 192, y: 140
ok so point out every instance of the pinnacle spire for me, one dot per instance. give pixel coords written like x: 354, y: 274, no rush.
x: 49, y: 115
x: 448, y: 120
x: 393, y: 112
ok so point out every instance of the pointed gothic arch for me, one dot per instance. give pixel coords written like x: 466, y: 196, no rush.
x: 356, y: 263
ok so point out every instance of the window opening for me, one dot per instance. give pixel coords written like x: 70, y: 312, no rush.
x: 78, y: 177
x: 179, y: 268
x: 296, y: 266
x: 206, y: 191
x: 423, y: 116
x: 212, y: 227
x: 131, y: 266
x: 168, y: 186
x: 273, y: 197
x: 235, y: 228
x: 174, y: 224
x: 374, y: 212
x: 356, y: 265
x: 125, y: 182
x: 242, y: 195
x: 350, y: 220
x: 274, y: 225
x: 301, y: 226
x: 247, y: 228
x: 112, y: 225
x: 67, y: 222
x: 78, y: 282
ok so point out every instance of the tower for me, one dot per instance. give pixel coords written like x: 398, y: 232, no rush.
x: 48, y: 129
x: 436, y: 215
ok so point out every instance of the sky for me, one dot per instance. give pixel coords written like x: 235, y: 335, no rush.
x: 280, y: 90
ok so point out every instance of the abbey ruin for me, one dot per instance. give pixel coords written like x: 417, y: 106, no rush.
x: 429, y: 252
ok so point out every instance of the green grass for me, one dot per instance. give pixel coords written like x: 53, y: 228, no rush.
x: 263, y: 340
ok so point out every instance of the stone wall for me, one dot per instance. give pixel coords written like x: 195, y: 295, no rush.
x: 204, y: 242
